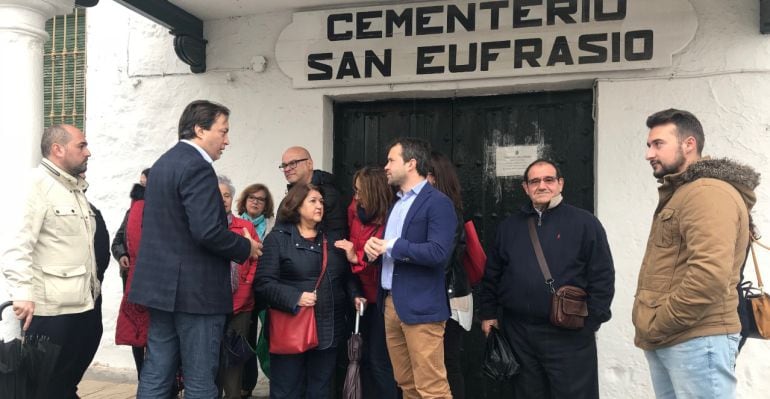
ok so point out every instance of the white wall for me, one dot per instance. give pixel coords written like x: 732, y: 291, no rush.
x: 137, y: 89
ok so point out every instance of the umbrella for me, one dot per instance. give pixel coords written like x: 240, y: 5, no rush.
x: 26, y: 364
x: 352, y: 387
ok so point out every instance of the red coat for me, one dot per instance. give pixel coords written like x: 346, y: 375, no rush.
x: 243, y: 297
x: 133, y: 319
x: 359, y: 234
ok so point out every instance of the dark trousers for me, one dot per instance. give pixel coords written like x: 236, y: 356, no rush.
x: 453, y: 343
x: 376, y: 370
x: 307, y: 375
x: 78, y: 335
x: 250, y: 369
x: 555, y: 363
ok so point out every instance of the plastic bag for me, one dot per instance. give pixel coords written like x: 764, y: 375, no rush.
x: 498, y: 362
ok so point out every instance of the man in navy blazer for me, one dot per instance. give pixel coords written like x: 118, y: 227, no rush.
x: 183, y: 267
x: 418, y: 240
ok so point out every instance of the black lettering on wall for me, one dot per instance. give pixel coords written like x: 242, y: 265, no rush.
x: 560, y: 52
x: 392, y: 20
x: 331, y: 32
x: 382, y: 65
x: 494, y: 12
x: 314, y: 62
x: 646, y: 36
x: 587, y: 43
x: 617, y: 15
x: 348, y: 66
x: 467, y: 20
x: 615, y: 46
x: 362, y: 25
x: 470, y: 66
x: 423, y: 19
x: 424, y: 60
x: 531, y: 56
x: 488, y: 56
x: 586, y: 14
x: 562, y: 9
x: 519, y: 13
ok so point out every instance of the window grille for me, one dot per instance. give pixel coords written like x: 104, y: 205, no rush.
x: 64, y: 58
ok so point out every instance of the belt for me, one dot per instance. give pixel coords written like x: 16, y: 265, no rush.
x: 385, y: 293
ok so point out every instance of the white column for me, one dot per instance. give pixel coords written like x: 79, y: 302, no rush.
x: 22, y: 35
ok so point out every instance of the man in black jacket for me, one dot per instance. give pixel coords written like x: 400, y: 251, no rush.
x: 555, y: 362
x: 297, y: 167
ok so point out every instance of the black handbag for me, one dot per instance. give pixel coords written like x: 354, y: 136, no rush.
x: 235, y: 350
x: 498, y: 363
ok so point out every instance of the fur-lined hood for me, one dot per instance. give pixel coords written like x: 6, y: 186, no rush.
x: 743, y: 177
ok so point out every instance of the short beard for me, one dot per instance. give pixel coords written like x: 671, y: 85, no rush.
x: 672, y: 168
x: 77, y: 170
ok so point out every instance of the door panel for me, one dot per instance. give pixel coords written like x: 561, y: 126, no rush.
x: 469, y: 130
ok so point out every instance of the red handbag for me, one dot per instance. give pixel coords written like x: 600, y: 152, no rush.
x: 291, y: 334
x: 474, y: 259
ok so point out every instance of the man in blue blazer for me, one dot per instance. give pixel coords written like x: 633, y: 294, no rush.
x: 418, y: 240
x: 183, y: 268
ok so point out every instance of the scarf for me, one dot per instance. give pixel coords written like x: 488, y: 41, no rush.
x: 259, y: 222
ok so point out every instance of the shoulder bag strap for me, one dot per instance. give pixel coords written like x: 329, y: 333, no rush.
x: 756, y: 264
x: 324, y: 255
x: 539, y: 254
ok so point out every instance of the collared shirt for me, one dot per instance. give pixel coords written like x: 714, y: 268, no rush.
x: 394, y: 228
x: 203, y: 152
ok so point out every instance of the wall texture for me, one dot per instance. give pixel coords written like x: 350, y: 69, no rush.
x: 137, y: 89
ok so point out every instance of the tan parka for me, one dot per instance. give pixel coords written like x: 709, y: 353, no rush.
x: 697, y: 245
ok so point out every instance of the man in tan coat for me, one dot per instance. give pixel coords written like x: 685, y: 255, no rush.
x: 48, y: 257
x: 685, y: 312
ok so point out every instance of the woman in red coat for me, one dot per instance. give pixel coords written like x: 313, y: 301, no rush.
x: 367, y: 214
x: 243, y: 298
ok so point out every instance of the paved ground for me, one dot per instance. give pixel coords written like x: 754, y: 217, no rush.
x: 101, y: 383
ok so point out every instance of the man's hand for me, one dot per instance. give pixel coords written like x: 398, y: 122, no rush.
x: 307, y: 299
x: 347, y: 246
x: 375, y: 247
x: 486, y: 326
x: 256, y: 246
x: 360, y: 303
x: 24, y: 311
x: 123, y: 262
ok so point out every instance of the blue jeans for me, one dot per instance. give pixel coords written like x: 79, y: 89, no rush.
x: 193, y: 337
x: 702, y: 367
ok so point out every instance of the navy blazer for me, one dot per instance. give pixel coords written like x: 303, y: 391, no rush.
x: 425, y: 245
x: 184, y: 257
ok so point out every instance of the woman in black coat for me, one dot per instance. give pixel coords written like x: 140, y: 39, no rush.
x: 286, y: 278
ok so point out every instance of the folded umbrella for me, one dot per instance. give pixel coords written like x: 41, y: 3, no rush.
x: 352, y: 387
x: 26, y: 365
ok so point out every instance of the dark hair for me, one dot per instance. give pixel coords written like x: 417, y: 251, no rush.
x: 288, y: 211
x: 541, y: 161
x: 446, y: 178
x: 251, y: 189
x: 146, y: 172
x: 414, y: 148
x: 199, y: 113
x: 375, y: 194
x: 686, y: 125
x: 53, y: 134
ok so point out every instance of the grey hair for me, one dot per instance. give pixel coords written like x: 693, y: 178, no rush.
x: 53, y: 134
x: 222, y: 179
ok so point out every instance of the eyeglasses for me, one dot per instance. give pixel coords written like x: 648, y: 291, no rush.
x: 547, y: 180
x: 253, y: 198
x: 291, y: 164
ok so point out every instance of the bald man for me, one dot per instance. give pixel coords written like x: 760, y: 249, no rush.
x: 48, y: 260
x: 297, y: 167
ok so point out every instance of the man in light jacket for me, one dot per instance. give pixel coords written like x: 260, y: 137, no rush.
x: 48, y: 258
x: 685, y: 312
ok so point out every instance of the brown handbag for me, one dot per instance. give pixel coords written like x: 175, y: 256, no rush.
x: 568, y: 304
x: 760, y: 302
x: 291, y: 334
